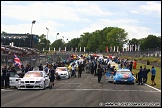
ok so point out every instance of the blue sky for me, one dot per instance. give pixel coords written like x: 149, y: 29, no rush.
x: 73, y: 18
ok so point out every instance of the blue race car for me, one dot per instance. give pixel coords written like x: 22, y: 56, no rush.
x: 124, y: 76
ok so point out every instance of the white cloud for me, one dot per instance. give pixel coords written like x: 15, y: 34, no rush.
x: 92, y: 9
x: 47, y: 14
x: 39, y: 10
x: 134, y: 11
x: 53, y: 10
x: 137, y: 32
x: 151, y: 6
x: 117, y: 22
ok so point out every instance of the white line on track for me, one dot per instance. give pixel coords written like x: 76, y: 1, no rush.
x: 94, y: 78
x: 108, y: 90
x: 6, y: 90
x: 70, y: 83
x: 153, y: 87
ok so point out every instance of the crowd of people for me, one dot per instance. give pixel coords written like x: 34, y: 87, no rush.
x: 96, y: 66
x: 143, y: 74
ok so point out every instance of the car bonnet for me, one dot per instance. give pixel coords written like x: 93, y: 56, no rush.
x: 32, y: 78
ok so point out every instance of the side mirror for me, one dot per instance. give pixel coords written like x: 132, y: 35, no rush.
x: 17, y: 76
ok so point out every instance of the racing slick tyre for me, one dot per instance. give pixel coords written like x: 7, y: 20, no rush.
x: 114, y: 82
x: 44, y: 87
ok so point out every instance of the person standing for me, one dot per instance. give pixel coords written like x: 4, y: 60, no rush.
x: 80, y: 70
x: 131, y: 66
x: 22, y: 71
x: 51, y: 76
x: 95, y: 68
x: 27, y: 68
x: 40, y: 67
x: 134, y: 64
x: 146, y: 71
x: 4, y: 77
x: 46, y: 69
x: 100, y: 70
x: 92, y: 68
x: 153, y: 73
x: 140, y: 76
x: 73, y: 70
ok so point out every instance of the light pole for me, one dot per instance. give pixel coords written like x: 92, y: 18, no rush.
x: 63, y: 38
x: 68, y: 45
x: 47, y: 36
x: 56, y: 35
x: 33, y: 22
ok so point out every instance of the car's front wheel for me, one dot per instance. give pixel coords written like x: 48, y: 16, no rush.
x: 44, y: 87
x: 114, y: 82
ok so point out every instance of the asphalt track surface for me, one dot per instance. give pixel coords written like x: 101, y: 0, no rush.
x: 83, y: 92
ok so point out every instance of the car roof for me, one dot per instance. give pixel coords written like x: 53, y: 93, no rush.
x: 61, y: 67
x: 36, y: 71
x: 123, y: 70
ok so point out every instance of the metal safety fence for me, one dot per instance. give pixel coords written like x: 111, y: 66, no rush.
x: 34, y: 61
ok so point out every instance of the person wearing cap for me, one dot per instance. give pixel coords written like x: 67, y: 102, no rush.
x: 153, y: 73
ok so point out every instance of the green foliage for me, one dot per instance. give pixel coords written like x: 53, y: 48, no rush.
x: 56, y: 44
x: 151, y: 41
x: 157, y: 78
x: 100, y: 39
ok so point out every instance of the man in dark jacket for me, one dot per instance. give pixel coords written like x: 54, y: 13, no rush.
x: 22, y: 71
x: 27, y: 68
x: 131, y: 66
x: 40, y: 67
x: 80, y: 68
x: 92, y: 68
x: 51, y: 75
x: 4, y: 77
x: 100, y: 70
x: 145, y: 72
x: 95, y: 68
x: 140, y: 76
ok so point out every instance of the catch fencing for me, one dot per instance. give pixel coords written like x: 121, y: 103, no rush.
x: 34, y: 61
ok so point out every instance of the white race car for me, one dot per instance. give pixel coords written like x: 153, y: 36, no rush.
x: 34, y: 80
x: 63, y: 72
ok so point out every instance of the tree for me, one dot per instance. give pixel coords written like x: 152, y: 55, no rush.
x: 74, y: 43
x: 3, y: 32
x: 117, y: 37
x: 134, y: 42
x: 56, y: 44
x: 149, y: 42
x: 42, y: 42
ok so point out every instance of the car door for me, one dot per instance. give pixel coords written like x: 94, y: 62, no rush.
x: 13, y: 79
x: 109, y: 75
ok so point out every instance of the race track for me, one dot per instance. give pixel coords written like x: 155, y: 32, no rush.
x: 83, y: 92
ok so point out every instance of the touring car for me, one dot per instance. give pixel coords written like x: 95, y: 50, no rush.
x: 34, y: 80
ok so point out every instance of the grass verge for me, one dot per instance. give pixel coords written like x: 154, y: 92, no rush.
x: 157, y: 77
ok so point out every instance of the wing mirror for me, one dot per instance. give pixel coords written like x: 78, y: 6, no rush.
x: 17, y: 76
